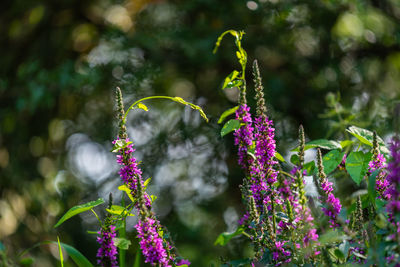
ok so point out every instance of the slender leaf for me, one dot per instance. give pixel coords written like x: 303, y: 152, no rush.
x: 79, y: 209
x: 127, y: 191
x: 279, y: 157
x: 76, y: 256
x: 60, y: 252
x: 371, y: 186
x: 357, y: 165
x: 118, y: 210
x: 225, y: 237
x: 226, y: 113
x: 136, y: 263
x: 321, y: 143
x: 230, y: 126
x: 142, y: 106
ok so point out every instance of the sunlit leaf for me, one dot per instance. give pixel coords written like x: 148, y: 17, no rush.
x: 321, y: 143
x: 230, y: 126
x: 79, y: 209
x: 75, y: 255
x: 346, y: 143
x: 127, y: 191
x: 142, y: 106
x: 225, y: 237
x: 366, y: 137
x: 279, y: 157
x: 228, y: 82
x: 120, y: 144
x: 226, y: 113
x: 119, y: 210
x: 357, y: 165
x: 122, y: 243
x: 60, y: 252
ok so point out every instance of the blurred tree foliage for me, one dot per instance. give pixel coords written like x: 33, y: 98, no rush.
x: 325, y: 64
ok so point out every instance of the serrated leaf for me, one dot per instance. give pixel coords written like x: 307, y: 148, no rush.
x: 279, y: 157
x: 366, y: 137
x: 357, y: 165
x: 226, y: 113
x: 225, y: 237
x: 127, y: 191
x: 119, y: 210
x: 142, y: 106
x: 230, y: 126
x: 79, y: 209
x: 321, y: 143
x: 122, y: 243
x: 331, y: 160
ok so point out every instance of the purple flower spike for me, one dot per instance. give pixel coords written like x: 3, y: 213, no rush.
x: 151, y: 243
x: 107, y: 253
x: 244, y: 135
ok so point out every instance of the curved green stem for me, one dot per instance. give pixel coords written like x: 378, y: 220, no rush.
x: 176, y: 99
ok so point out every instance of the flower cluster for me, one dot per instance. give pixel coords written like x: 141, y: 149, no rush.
x: 378, y: 162
x: 244, y: 135
x: 332, y: 204
x: 393, y: 206
x: 107, y: 253
x: 151, y: 243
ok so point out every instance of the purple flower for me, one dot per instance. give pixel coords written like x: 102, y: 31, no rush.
x: 333, y: 205
x: 151, y: 243
x: 130, y: 171
x: 107, y: 253
x: 379, y: 162
x: 183, y: 262
x: 244, y: 135
x: 393, y: 177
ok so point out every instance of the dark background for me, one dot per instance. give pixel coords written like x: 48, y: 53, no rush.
x: 325, y: 64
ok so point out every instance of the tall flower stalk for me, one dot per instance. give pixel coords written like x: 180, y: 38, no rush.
x: 156, y: 250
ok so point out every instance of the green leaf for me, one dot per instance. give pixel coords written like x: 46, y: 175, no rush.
x: 279, y: 157
x: 137, y: 258
x: 122, y: 243
x: 127, y: 191
x: 76, y: 256
x: 120, y: 144
x: 146, y: 183
x: 226, y: 113
x: 26, y: 262
x: 321, y: 143
x: 142, y: 106
x: 366, y: 137
x: 331, y: 160
x: 295, y: 159
x: 230, y: 126
x: 331, y: 237
x: 339, y: 254
x: 79, y: 209
x: 231, y: 79
x: 309, y: 167
x: 153, y: 198
x: 60, y: 252
x: 345, y: 143
x: 357, y: 165
x: 225, y: 237
x: 118, y: 210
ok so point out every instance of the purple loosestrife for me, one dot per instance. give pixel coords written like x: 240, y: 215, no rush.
x: 156, y: 250
x: 244, y: 135
x: 332, y: 204
x: 378, y: 162
x: 107, y: 253
x: 393, y: 205
x: 151, y: 243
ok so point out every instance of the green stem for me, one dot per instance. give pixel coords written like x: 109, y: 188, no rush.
x: 122, y: 234
x: 95, y: 214
x: 287, y: 174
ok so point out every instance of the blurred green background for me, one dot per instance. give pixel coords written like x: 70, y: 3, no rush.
x: 325, y: 64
